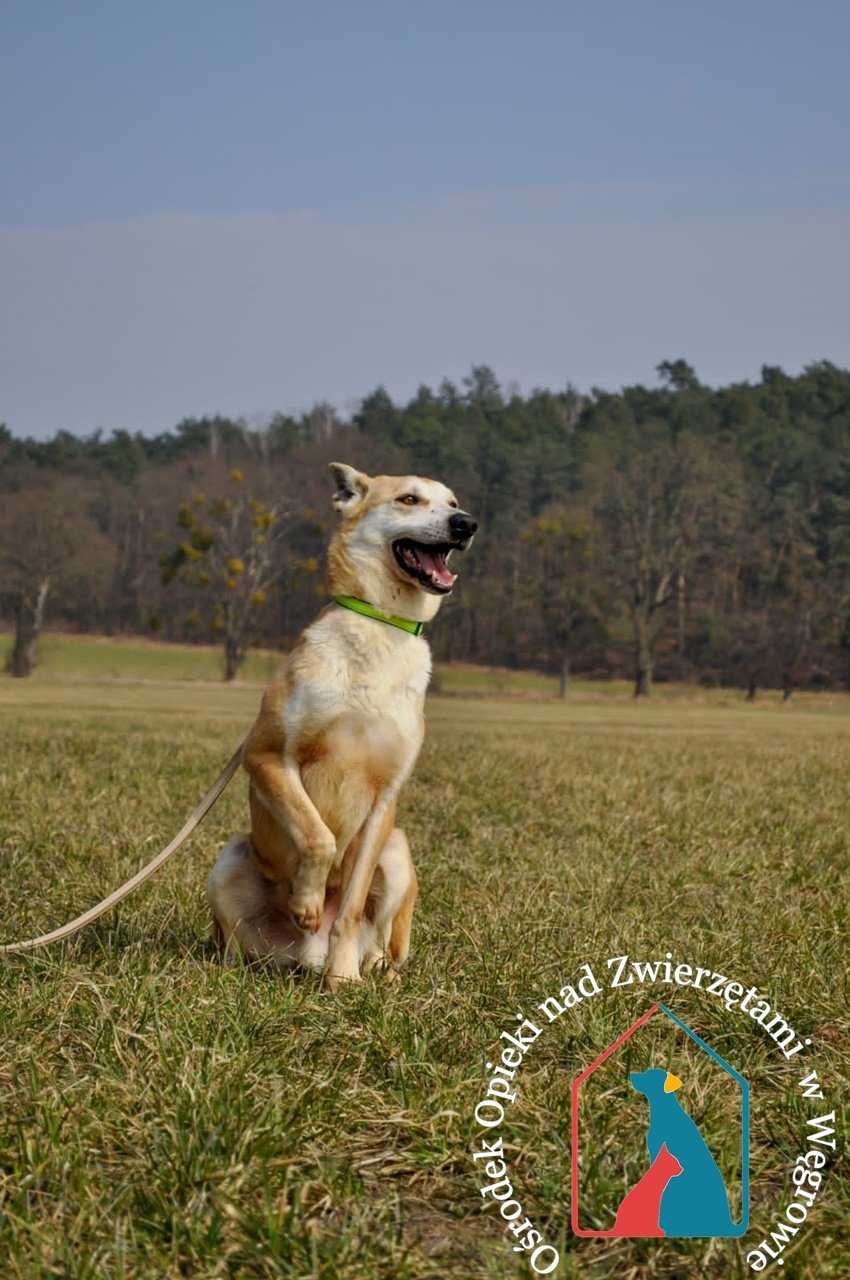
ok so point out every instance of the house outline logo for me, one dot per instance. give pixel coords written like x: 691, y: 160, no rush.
x: 661, y: 1203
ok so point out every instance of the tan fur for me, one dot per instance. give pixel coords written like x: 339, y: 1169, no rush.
x: 325, y: 878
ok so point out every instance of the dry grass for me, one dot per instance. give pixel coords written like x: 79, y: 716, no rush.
x: 164, y: 1116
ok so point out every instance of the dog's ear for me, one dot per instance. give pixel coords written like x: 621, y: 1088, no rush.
x: 351, y: 486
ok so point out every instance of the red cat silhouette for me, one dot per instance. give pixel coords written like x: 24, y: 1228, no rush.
x: 640, y: 1207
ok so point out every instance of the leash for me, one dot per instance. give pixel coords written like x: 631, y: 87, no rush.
x: 195, y: 818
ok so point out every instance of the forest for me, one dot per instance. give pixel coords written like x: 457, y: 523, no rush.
x: 667, y: 532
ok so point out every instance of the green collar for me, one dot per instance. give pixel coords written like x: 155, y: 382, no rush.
x: 369, y: 611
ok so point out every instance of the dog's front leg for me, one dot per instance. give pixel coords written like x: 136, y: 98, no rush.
x: 278, y: 785
x: 343, y: 962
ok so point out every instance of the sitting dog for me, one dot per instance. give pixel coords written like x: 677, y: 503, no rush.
x: 695, y: 1202
x: 325, y: 878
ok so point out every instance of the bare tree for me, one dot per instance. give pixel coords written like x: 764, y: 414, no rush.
x: 662, y: 501
x: 227, y: 555
x: 785, y: 600
x: 560, y: 548
x: 46, y: 541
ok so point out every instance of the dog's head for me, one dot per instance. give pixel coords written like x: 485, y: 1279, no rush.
x: 654, y: 1082
x: 397, y: 535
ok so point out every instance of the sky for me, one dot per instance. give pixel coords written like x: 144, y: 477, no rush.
x: 243, y: 208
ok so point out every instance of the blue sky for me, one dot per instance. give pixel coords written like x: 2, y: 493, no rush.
x: 237, y: 208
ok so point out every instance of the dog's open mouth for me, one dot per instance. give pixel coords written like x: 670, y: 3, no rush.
x: 427, y: 563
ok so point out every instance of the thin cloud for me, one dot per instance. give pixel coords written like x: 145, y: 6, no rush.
x: 138, y: 323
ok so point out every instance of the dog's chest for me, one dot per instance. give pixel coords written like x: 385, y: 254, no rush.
x: 361, y: 670
x: 393, y: 685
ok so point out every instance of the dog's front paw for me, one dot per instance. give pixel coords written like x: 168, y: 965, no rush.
x: 333, y: 981
x: 381, y: 964
x: 343, y: 964
x: 375, y: 961
x: 306, y: 909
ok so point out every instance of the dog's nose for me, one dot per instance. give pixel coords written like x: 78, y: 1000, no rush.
x: 462, y: 525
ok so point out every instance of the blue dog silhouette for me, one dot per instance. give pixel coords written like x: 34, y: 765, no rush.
x: 695, y: 1203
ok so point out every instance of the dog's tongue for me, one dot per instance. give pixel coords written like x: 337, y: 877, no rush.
x: 436, y: 566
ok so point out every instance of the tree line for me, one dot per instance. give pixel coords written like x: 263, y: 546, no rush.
x: 674, y: 531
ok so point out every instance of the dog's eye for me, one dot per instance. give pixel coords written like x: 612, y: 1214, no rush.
x: 409, y: 499
x: 453, y: 504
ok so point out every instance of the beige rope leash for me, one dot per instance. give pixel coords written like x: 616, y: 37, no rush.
x: 195, y: 818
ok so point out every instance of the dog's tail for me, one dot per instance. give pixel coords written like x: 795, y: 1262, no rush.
x: 195, y: 819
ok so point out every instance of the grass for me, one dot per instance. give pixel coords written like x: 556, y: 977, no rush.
x: 166, y: 1116
x: 83, y: 657
x: 68, y: 658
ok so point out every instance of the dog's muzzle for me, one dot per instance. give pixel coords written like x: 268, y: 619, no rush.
x: 462, y: 526
x: 427, y: 562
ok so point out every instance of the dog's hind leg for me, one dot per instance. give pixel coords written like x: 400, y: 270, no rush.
x: 389, y: 909
x: 231, y: 894
x: 246, y: 917
x: 399, y: 946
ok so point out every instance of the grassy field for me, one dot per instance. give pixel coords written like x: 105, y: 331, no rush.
x: 72, y: 657
x: 166, y: 1116
x: 67, y: 658
x: 81, y: 657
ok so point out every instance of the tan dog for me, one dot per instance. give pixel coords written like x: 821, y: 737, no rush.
x: 325, y: 878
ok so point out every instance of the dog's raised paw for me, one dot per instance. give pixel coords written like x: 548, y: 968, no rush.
x: 306, y: 910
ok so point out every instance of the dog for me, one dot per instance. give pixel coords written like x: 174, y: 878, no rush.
x: 695, y: 1202
x: 325, y: 880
